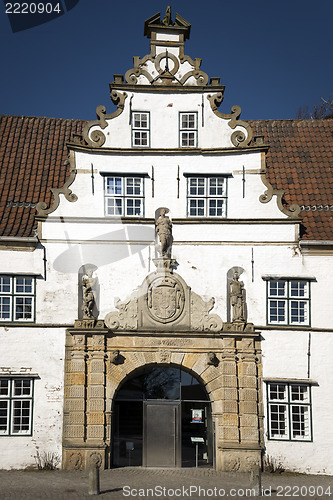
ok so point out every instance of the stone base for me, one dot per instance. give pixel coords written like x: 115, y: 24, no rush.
x: 82, y: 458
x: 238, y: 326
x: 165, y: 264
x: 238, y: 460
x: 88, y: 323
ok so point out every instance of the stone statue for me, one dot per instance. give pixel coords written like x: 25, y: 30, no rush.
x: 88, y: 295
x: 163, y: 228
x: 237, y: 298
x: 167, y: 18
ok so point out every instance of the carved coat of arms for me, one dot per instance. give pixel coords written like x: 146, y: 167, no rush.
x: 165, y: 299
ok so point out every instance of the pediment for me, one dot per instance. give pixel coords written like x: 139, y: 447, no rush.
x: 164, y: 302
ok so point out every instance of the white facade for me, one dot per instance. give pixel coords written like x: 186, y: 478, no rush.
x: 254, y: 238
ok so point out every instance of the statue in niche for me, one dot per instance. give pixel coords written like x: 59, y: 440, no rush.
x: 88, y: 295
x: 163, y: 227
x: 237, y: 298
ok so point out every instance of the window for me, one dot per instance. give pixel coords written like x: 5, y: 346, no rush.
x: 17, y: 298
x: 16, y: 406
x: 124, y: 196
x: 188, y: 130
x: 206, y: 196
x: 140, y: 129
x: 289, y: 411
x: 288, y: 302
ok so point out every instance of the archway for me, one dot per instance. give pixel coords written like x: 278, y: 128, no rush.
x: 162, y: 418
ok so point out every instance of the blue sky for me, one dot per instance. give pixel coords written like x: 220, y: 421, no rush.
x: 272, y: 56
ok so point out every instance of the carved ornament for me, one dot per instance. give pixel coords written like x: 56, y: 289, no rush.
x: 42, y: 208
x: 126, y: 318
x: 166, y: 303
x: 75, y: 460
x: 212, y: 359
x: 176, y: 74
x: 293, y: 211
x: 95, y: 458
x: 96, y: 139
x: 200, y: 318
x: 165, y: 299
x: 88, y: 323
x: 238, y: 138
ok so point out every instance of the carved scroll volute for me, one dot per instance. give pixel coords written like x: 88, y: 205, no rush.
x: 42, y: 208
x: 96, y: 138
x: 293, y: 211
x: 239, y: 138
x: 201, y: 320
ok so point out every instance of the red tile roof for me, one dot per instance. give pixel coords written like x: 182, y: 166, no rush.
x: 32, y: 155
x: 300, y: 161
x: 33, y: 151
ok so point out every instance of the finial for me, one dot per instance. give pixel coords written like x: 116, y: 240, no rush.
x: 167, y: 18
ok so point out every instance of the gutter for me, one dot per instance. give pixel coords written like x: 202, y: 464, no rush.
x: 15, y: 242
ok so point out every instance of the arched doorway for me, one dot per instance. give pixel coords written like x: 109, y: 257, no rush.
x: 162, y: 418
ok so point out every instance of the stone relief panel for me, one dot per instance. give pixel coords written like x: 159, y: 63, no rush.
x: 165, y: 299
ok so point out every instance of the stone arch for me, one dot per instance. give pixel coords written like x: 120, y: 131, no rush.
x: 194, y: 363
x: 203, y: 398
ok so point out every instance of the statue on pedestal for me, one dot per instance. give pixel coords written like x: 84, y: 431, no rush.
x: 163, y: 228
x: 237, y: 299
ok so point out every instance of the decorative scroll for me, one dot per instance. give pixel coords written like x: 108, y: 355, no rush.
x: 42, y: 208
x: 141, y: 69
x: 238, y: 138
x: 126, y: 318
x: 96, y: 139
x: 200, y: 318
x: 294, y: 210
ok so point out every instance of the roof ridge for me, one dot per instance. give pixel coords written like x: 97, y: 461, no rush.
x: 44, y: 117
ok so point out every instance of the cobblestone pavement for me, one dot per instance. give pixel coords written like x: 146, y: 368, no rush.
x: 158, y: 483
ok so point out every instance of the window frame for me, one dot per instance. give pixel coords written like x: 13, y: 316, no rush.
x: 14, y: 295
x: 11, y: 399
x: 187, y: 129
x: 124, y: 197
x: 288, y: 299
x: 289, y: 421
x: 140, y: 129
x: 206, y: 197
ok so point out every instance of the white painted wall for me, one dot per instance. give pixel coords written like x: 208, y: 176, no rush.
x: 39, y: 351
x: 166, y: 185
x: 285, y: 356
x: 164, y: 108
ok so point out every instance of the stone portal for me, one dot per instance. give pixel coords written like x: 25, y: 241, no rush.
x: 163, y: 323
